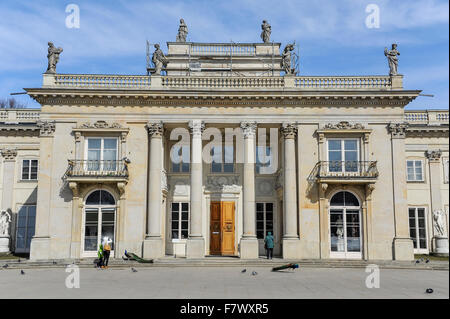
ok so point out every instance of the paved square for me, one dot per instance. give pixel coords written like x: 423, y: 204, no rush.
x: 222, y: 282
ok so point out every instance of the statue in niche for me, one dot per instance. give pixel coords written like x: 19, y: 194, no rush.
x: 392, y: 56
x: 159, y: 59
x: 5, y: 220
x: 439, y: 222
x: 266, y: 31
x: 182, y: 31
x: 286, y: 59
x: 53, y: 57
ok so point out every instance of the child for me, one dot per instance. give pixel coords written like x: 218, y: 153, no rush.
x: 100, y: 256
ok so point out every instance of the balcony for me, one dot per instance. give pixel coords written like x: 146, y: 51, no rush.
x: 97, y: 171
x: 357, y: 172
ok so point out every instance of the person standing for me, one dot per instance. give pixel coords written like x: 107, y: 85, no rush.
x: 269, y: 243
x: 106, y: 250
x: 100, y: 256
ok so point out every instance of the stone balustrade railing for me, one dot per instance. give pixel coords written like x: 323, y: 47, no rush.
x: 223, y: 49
x: 142, y: 82
x: 19, y: 115
x: 429, y: 117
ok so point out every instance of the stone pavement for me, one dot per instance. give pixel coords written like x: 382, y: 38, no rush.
x: 223, y: 282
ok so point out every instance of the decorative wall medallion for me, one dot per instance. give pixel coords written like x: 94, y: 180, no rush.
x: 344, y: 125
x: 264, y: 187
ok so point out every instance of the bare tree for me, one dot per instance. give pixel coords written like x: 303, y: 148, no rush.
x: 11, y: 103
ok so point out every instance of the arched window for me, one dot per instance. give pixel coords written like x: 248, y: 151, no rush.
x: 344, y: 199
x: 100, y: 197
x: 99, y: 221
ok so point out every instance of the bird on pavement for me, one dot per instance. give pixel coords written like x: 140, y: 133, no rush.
x: 22, y: 272
x: 5, y: 266
x: 427, y: 261
x: 254, y: 273
x: 133, y: 270
x: 429, y: 291
x: 243, y: 270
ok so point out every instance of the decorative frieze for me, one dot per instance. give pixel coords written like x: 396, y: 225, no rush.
x: 249, y: 129
x: 9, y: 154
x: 223, y: 183
x: 155, y: 129
x: 46, y: 128
x: 434, y: 155
x: 344, y: 125
x: 289, y: 129
x: 398, y: 130
x: 100, y: 125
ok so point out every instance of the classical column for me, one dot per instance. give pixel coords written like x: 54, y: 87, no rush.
x: 403, y: 244
x: 195, y: 246
x: 438, y: 215
x: 9, y: 161
x: 153, y: 243
x: 249, y: 242
x: 290, y: 212
x: 40, y: 243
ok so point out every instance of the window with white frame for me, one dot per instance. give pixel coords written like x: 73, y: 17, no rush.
x: 180, y: 220
x: 101, y: 153
x: 263, y: 158
x: 343, y: 155
x: 414, y: 170
x: 446, y: 161
x: 180, y: 158
x: 418, y: 228
x: 222, y: 158
x: 264, y: 219
x: 29, y: 169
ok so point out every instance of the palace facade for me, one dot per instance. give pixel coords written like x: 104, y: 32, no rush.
x: 209, y: 157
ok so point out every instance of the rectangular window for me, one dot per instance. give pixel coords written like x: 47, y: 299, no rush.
x: 26, y: 221
x: 343, y: 155
x: 180, y: 158
x: 222, y: 159
x: 180, y: 220
x: 29, y: 169
x: 414, y: 170
x: 417, y: 228
x: 101, y: 154
x: 264, y: 219
x: 263, y: 158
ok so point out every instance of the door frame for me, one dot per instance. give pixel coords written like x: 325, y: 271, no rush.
x: 345, y: 254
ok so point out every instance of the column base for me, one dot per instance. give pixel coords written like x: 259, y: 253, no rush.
x: 75, y: 249
x: 441, y: 245
x: 40, y: 248
x: 291, y: 248
x: 195, y: 248
x: 4, y: 244
x: 249, y: 248
x: 152, y: 248
x: 403, y: 249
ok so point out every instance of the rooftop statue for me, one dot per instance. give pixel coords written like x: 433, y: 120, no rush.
x: 159, y: 59
x: 266, y: 31
x: 286, y: 59
x: 53, y: 57
x: 392, y: 56
x: 182, y: 31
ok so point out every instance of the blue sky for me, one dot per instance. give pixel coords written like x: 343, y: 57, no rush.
x: 332, y: 35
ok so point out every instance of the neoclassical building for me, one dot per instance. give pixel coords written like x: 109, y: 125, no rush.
x: 217, y: 151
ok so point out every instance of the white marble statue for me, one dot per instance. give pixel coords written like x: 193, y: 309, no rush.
x: 5, y: 220
x: 439, y: 222
x: 392, y: 56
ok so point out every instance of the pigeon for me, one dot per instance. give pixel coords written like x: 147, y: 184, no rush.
x: 133, y: 270
x: 427, y: 261
x: 243, y: 270
x: 22, y: 272
x: 19, y: 260
x: 417, y: 261
x: 5, y: 266
x: 54, y: 262
x: 429, y: 291
x: 254, y: 273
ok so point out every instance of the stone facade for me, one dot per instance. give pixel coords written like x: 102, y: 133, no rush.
x: 162, y: 207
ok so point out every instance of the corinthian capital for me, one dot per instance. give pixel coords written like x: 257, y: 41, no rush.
x: 249, y: 129
x: 9, y: 154
x: 47, y: 128
x: 196, y: 127
x: 433, y: 156
x: 289, y: 129
x: 398, y: 130
x: 155, y: 129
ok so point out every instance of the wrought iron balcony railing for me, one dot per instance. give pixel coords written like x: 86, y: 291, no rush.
x: 94, y: 168
x: 340, y: 170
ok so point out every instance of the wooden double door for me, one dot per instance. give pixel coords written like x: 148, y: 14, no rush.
x: 222, y: 229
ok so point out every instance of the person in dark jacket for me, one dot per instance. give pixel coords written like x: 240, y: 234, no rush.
x: 268, y: 243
